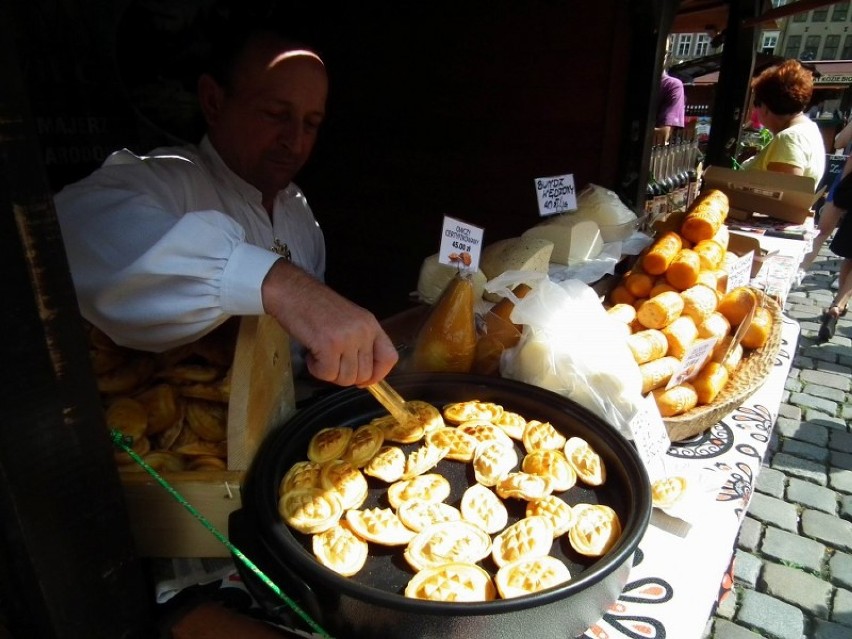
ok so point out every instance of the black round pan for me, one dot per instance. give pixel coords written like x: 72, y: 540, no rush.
x: 370, y: 604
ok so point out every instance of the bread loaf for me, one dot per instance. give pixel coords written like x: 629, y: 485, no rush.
x: 661, y: 253
x: 708, y: 279
x: 661, y: 286
x: 680, y: 335
x: 639, y: 283
x: 658, y: 372
x: 622, y: 312
x: 716, y: 325
x: 733, y: 360
x: 620, y: 295
x: 721, y: 276
x: 660, y: 310
x: 706, y: 216
x: 736, y: 304
x: 710, y: 253
x: 722, y: 237
x: 699, y: 302
x: 647, y: 345
x: 759, y: 330
x: 710, y: 381
x: 676, y: 400
x: 683, y: 271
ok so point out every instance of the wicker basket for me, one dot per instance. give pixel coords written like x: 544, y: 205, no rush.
x: 748, y: 377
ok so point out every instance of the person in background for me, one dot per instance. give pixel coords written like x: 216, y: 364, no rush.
x: 164, y: 248
x: 841, y: 245
x: 781, y: 95
x: 830, y: 214
x: 671, y: 108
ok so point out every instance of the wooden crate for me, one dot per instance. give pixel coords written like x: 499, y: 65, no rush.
x: 262, y: 395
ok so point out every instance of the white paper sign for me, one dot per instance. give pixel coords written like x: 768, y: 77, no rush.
x: 555, y: 194
x: 693, y: 361
x: 461, y: 244
x: 650, y: 437
x: 739, y: 274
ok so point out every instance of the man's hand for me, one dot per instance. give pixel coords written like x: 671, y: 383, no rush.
x: 345, y: 343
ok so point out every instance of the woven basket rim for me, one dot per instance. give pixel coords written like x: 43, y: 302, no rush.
x: 749, y: 376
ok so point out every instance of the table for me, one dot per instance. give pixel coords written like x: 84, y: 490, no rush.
x: 679, y: 569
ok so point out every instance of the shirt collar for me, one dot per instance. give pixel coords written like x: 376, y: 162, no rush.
x: 223, y: 172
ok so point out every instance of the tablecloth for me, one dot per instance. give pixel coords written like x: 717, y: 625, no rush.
x: 679, y: 570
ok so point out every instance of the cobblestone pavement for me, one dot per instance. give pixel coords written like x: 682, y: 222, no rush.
x: 793, y: 563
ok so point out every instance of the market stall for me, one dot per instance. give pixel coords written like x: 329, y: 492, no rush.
x: 80, y: 114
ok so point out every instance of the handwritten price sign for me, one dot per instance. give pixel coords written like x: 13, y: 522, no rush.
x: 556, y: 194
x: 461, y: 244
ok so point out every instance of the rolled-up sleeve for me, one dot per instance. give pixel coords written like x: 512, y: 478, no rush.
x: 152, y: 278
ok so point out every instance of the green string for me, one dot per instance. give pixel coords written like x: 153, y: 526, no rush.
x: 122, y: 442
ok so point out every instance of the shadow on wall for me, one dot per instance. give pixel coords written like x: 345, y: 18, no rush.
x: 435, y: 109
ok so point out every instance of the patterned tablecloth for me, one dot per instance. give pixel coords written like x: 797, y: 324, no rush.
x: 682, y: 565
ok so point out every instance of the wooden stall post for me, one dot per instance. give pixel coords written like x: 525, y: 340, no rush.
x: 68, y: 567
x: 730, y: 104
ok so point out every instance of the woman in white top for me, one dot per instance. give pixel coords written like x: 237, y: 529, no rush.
x: 781, y: 95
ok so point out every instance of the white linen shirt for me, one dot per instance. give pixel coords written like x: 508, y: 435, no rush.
x: 163, y: 248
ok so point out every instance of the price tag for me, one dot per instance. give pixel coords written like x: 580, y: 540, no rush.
x: 739, y: 274
x: 461, y: 244
x: 693, y: 361
x: 650, y: 437
x: 555, y: 194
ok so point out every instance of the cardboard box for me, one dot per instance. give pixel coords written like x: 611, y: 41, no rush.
x: 739, y: 245
x: 261, y: 397
x: 778, y: 195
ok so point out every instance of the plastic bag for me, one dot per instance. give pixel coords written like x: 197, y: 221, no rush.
x: 569, y: 345
x: 603, y: 206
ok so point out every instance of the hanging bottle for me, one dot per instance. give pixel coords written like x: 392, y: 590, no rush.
x: 652, y: 190
x: 682, y: 177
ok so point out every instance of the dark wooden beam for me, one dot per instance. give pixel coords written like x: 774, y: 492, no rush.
x: 651, y: 23
x: 732, y: 89
x: 67, y: 563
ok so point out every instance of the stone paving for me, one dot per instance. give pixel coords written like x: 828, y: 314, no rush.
x: 793, y: 563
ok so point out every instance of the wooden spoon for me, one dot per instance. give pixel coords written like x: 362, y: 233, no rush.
x: 391, y: 400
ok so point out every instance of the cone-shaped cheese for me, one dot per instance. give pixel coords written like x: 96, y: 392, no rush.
x: 447, y: 340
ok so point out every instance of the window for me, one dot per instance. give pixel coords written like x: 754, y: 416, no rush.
x: 768, y: 43
x: 800, y: 17
x: 829, y: 49
x: 809, y: 52
x: 684, y: 44
x: 846, y: 54
x: 819, y: 15
x: 791, y: 48
x: 702, y: 44
x: 840, y: 12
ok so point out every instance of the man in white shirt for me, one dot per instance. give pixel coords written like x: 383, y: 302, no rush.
x: 165, y: 248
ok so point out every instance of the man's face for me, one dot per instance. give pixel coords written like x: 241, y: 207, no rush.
x: 266, y: 124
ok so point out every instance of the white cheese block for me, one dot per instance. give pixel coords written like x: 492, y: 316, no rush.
x: 586, y: 242
x: 516, y: 254
x: 572, y: 243
x: 435, y: 276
